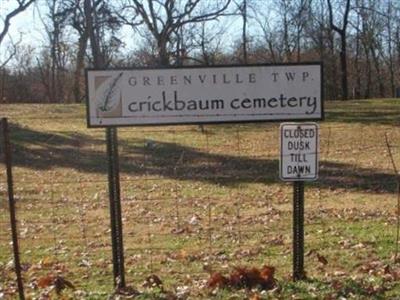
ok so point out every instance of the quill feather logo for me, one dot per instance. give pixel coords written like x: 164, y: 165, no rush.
x: 109, y: 94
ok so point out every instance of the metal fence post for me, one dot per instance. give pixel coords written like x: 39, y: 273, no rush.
x: 11, y: 202
x: 298, y: 230
x: 115, y: 207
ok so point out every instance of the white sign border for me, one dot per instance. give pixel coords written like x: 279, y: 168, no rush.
x: 316, y: 156
x: 310, y: 63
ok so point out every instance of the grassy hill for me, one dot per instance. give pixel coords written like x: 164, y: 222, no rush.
x: 198, y: 201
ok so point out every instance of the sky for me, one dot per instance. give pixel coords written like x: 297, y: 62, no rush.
x: 27, y: 28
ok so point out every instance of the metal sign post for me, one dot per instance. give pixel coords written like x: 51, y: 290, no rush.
x: 115, y: 207
x: 298, y: 230
x: 10, y: 189
x: 298, y: 163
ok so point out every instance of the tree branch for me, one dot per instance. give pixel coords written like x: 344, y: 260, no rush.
x: 22, y: 5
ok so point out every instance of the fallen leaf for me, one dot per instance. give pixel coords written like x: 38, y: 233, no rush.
x: 45, y: 281
x: 60, y: 283
x: 243, y: 277
x: 255, y: 297
x: 387, y: 270
x: 47, y: 262
x: 217, y: 280
x: 322, y: 259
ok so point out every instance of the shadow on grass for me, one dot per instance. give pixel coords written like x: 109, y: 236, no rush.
x: 44, y: 151
x: 383, y: 111
x: 367, y: 117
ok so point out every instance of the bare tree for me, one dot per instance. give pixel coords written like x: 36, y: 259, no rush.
x: 54, y: 61
x: 342, y: 31
x: 164, y: 18
x: 102, y: 26
x: 284, y: 11
x: 22, y: 5
x: 293, y: 17
x: 76, y: 19
x: 300, y: 11
x: 268, y: 35
x: 93, y: 28
x: 358, y: 41
x: 357, y: 59
x: 209, y: 40
x: 242, y: 8
x: 11, y: 51
x: 320, y: 42
x: 389, y: 23
x: 243, y: 11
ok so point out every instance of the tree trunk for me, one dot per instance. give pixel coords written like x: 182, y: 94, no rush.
x: 204, y: 53
x: 82, y: 44
x: 343, y: 64
x: 272, y: 51
x: 298, y: 38
x: 343, y: 44
x: 53, y: 84
x: 357, y: 92
x: 244, y: 31
x: 288, y: 53
x: 3, y: 79
x: 334, y: 77
x: 368, y: 72
x: 381, y: 87
x: 98, y: 58
x: 390, y: 52
x: 45, y: 80
x: 163, y: 56
x: 398, y: 43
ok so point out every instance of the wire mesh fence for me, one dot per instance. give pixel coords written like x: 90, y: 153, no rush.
x: 193, y: 201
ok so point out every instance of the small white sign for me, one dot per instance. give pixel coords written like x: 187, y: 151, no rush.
x: 193, y: 95
x: 299, y: 151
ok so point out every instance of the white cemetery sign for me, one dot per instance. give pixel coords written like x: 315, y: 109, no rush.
x: 195, y: 95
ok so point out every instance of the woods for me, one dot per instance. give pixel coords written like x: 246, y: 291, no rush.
x: 357, y: 40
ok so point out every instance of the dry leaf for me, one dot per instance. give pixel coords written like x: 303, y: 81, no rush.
x: 47, y: 262
x: 253, y: 277
x: 322, y: 259
x: 57, y: 281
x: 255, y: 297
x: 387, y: 270
x: 60, y: 283
x: 45, y: 281
x: 217, y: 280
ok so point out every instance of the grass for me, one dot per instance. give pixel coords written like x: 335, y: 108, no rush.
x: 192, y: 201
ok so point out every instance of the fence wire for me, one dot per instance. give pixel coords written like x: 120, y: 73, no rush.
x: 193, y: 201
